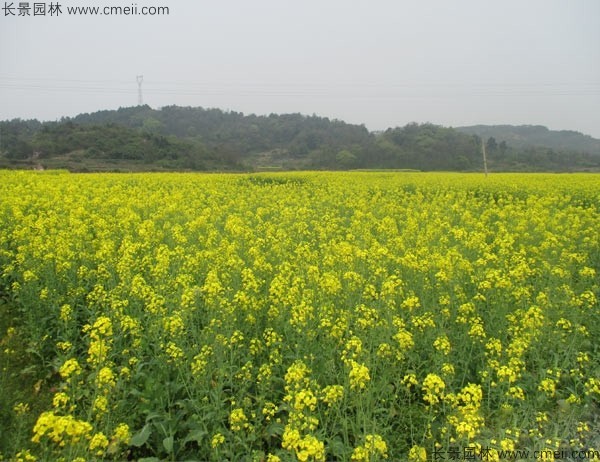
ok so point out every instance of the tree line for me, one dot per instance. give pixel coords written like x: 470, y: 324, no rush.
x: 186, y: 138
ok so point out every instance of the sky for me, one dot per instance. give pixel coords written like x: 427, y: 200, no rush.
x: 381, y: 63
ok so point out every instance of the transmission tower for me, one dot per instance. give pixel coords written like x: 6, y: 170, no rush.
x: 140, y: 79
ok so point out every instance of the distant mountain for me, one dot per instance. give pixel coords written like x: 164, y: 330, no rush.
x: 524, y: 136
x: 141, y: 138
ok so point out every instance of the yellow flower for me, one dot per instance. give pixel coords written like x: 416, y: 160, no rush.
x: 447, y: 369
x: 384, y: 350
x: 331, y: 394
x: 64, y: 346
x: 105, y: 379
x: 217, y: 440
x: 507, y: 444
x: 269, y: 410
x: 352, y: 349
x: 417, y: 454
x: 442, y: 344
x: 58, y: 427
x: 304, y: 399
x: 411, y: 303
x: 306, y: 448
x: 201, y: 360
x: 174, y: 352
x: 264, y: 373
x: 98, y: 443
x: 592, y: 386
x: 374, y: 447
x: 470, y: 396
x: 493, y: 347
x: 100, y: 404
x: 548, y: 386
x: 98, y: 351
x: 296, y: 374
x: 25, y: 456
x: 122, y: 433
x: 506, y: 373
x: 433, y: 389
x: 238, y: 420
x: 21, y: 408
x: 404, y: 339
x: 101, y: 328
x: 174, y: 324
x: 60, y: 399
x: 69, y: 368
x: 271, y: 337
x: 410, y: 380
x: 516, y: 392
x: 359, y: 376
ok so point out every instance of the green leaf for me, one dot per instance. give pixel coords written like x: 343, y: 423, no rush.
x: 337, y: 448
x: 154, y: 415
x: 168, y: 444
x: 196, y: 435
x: 139, y: 439
x: 275, y: 429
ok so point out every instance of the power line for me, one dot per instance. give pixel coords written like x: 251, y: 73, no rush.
x: 347, y: 90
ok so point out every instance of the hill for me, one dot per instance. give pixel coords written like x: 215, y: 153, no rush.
x: 524, y: 136
x: 186, y: 138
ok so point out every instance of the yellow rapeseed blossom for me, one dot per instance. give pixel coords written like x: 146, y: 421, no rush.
x: 98, y: 351
x: 592, y: 386
x: 65, y: 312
x: 269, y: 410
x: 60, y: 429
x: 304, y: 399
x: 122, y: 433
x: 410, y: 380
x: 442, y: 344
x: 60, y: 399
x: 21, y: 408
x: 238, y: 420
x: 105, y: 380
x: 25, y: 456
x: 548, y: 386
x: 433, y: 389
x: 98, y: 444
x: 201, y: 360
x: 173, y: 351
x: 69, y: 369
x: 359, y: 376
x: 373, y: 448
x: 331, y: 394
x: 417, y: 454
x: 100, y: 404
x: 296, y: 301
x: 306, y: 448
x: 217, y: 440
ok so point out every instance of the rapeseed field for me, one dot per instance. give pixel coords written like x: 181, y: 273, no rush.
x: 360, y: 316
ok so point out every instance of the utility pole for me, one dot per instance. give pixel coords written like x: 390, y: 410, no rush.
x: 484, y: 157
x: 140, y: 79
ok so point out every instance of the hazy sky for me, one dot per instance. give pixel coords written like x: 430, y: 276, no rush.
x: 379, y: 62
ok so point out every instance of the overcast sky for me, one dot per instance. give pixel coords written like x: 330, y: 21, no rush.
x: 383, y: 63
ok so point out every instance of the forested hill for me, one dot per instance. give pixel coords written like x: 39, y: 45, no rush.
x: 524, y: 136
x: 185, y: 138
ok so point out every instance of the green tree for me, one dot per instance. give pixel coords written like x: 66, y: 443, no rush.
x: 345, y: 158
